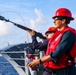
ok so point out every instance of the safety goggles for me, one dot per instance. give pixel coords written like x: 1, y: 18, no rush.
x: 58, y: 18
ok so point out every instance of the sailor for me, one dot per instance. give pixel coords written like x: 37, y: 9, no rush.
x: 42, y: 45
x: 61, y: 47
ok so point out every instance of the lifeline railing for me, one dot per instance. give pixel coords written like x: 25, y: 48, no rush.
x: 13, y: 60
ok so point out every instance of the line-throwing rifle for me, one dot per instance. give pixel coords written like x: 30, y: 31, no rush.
x: 23, y: 27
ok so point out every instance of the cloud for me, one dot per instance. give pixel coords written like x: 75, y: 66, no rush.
x: 40, y: 20
x: 5, y: 28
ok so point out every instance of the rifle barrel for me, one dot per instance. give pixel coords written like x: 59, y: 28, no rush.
x: 23, y: 27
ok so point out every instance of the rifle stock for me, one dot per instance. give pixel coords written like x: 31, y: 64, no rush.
x: 23, y: 27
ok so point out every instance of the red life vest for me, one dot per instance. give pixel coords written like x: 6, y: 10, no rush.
x: 46, y: 53
x: 53, y: 43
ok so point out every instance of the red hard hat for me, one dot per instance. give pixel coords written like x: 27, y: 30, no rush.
x: 63, y: 12
x: 51, y: 29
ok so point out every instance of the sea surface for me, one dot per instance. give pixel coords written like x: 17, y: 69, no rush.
x: 6, y: 68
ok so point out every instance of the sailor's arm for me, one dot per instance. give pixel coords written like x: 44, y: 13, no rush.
x: 39, y: 61
x: 64, y: 46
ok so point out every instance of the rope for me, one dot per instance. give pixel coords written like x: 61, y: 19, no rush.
x: 20, y: 17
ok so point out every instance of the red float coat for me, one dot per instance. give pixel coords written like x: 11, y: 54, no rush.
x: 53, y: 43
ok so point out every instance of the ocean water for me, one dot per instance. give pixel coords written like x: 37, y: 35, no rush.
x: 6, y: 68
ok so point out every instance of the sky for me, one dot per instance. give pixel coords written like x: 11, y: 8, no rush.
x: 34, y: 14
